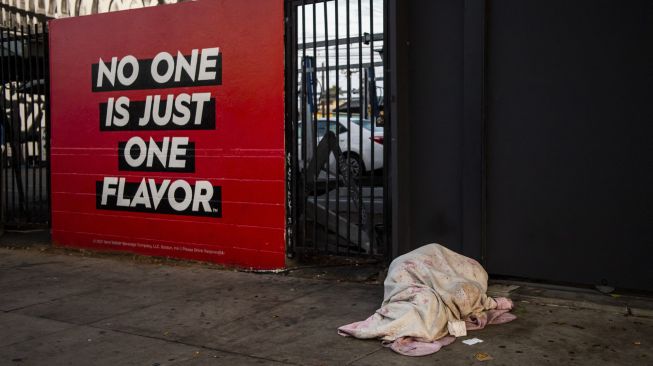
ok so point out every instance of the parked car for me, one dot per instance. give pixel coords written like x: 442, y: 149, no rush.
x: 354, y: 154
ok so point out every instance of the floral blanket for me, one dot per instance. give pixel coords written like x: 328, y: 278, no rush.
x: 429, y: 293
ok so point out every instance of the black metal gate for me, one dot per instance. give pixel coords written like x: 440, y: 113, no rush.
x: 24, y: 127
x: 335, y: 147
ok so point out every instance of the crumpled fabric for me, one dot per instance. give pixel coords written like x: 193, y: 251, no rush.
x: 409, y: 346
x: 423, y: 291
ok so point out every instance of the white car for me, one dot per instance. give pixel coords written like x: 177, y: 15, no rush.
x: 358, y: 156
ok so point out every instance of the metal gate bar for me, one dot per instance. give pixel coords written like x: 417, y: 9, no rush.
x: 331, y: 148
x: 24, y: 127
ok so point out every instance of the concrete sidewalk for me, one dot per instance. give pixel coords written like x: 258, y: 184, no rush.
x: 69, y: 309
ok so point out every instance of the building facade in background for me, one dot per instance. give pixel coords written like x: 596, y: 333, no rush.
x: 23, y: 12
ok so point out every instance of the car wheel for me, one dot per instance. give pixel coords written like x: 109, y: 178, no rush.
x: 351, y: 163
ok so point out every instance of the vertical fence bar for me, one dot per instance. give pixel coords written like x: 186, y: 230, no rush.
x: 15, y: 143
x: 304, y: 104
x: 328, y: 124
x: 337, y: 21
x: 315, y: 120
x: 34, y: 106
x: 24, y: 129
x: 41, y: 107
x: 364, y: 94
x: 294, y: 121
x: 372, y: 116
x: 5, y: 133
x: 347, y: 158
x: 17, y: 126
x: 46, y: 111
x: 31, y: 129
x: 361, y: 102
x: 39, y: 113
x: 24, y: 119
x: 387, y: 134
x: 20, y: 120
x: 288, y: 126
x: 9, y: 128
x: 36, y: 116
x: 23, y: 114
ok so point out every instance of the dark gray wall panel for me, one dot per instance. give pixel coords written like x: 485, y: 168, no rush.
x: 551, y: 110
x: 435, y: 64
x: 570, y: 141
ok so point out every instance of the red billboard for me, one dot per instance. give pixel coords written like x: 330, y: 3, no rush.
x: 167, y: 132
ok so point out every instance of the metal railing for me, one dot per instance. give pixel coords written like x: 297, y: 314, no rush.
x: 24, y: 127
x: 334, y: 128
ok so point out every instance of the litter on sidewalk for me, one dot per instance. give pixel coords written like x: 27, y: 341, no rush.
x: 483, y: 356
x: 427, y: 291
x: 472, y: 341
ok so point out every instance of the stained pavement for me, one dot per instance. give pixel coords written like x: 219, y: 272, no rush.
x: 70, y: 309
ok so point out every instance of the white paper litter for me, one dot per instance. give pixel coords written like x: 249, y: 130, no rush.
x: 472, y: 341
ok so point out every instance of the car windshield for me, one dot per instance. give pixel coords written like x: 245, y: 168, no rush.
x: 342, y: 127
x: 367, y: 124
x: 322, y: 127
